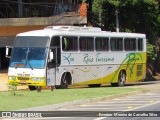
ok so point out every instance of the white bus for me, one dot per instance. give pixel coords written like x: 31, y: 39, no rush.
x: 69, y: 55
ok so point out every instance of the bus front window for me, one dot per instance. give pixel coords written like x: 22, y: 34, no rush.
x: 28, y: 57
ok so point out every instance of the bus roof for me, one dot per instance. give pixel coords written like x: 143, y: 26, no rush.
x: 78, y: 31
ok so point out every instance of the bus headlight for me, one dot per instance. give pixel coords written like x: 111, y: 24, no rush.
x: 12, y: 78
x: 38, y: 79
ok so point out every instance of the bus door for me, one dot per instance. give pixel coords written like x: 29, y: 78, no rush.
x: 51, y: 67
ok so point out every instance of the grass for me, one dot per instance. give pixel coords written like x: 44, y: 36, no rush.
x: 27, y: 99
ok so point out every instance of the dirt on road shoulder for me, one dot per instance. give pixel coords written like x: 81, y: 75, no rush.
x: 4, y: 81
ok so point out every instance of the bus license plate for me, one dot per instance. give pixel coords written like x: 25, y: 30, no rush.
x: 22, y: 82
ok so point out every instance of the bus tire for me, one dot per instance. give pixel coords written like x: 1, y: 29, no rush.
x: 31, y: 88
x: 64, y: 81
x: 121, y: 78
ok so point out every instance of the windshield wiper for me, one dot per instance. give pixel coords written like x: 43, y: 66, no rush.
x: 30, y: 65
x: 27, y: 59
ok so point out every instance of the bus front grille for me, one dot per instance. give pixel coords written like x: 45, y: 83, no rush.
x: 23, y: 78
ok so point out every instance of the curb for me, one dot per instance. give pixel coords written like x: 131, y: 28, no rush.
x: 79, y: 102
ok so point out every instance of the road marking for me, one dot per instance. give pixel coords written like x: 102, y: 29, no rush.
x: 147, y: 95
x: 101, y: 118
x: 152, y: 101
x: 120, y: 102
x: 110, y: 105
x: 140, y: 98
x: 144, y: 106
x: 95, y: 108
x: 130, y: 107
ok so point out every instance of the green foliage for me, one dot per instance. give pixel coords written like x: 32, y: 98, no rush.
x: 12, y: 88
x: 141, y: 16
x: 28, y: 99
x: 150, y: 52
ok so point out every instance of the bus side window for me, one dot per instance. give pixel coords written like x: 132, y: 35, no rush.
x: 105, y: 44
x: 140, y: 44
x: 98, y: 44
x: 116, y: 44
x: 133, y: 44
x: 70, y: 43
x: 102, y: 44
x: 119, y: 44
x: 64, y: 43
x: 113, y: 44
x: 127, y: 44
x: 86, y: 43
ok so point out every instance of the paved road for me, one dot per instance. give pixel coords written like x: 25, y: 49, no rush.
x: 148, y: 112
x: 119, y: 104
x: 142, y: 102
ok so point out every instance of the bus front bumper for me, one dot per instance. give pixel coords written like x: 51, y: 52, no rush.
x: 31, y: 81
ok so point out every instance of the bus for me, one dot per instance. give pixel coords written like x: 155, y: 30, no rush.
x: 59, y: 56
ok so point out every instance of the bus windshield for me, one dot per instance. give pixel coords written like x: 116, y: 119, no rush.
x: 32, y: 41
x: 28, y: 57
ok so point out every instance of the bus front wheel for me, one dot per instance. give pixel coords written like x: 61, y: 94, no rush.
x: 64, y: 83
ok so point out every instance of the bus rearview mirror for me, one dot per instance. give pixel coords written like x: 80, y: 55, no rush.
x: 50, y: 56
x: 8, y: 51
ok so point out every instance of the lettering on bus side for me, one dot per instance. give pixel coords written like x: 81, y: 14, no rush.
x: 103, y: 59
x: 89, y: 59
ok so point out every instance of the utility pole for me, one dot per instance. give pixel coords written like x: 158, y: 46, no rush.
x: 100, y: 13
x: 20, y: 12
x: 117, y: 21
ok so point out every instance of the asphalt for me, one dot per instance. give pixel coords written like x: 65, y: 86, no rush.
x: 151, y: 86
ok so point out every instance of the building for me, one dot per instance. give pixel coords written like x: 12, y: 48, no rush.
x: 24, y: 15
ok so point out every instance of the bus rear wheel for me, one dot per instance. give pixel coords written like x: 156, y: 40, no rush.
x: 121, y: 78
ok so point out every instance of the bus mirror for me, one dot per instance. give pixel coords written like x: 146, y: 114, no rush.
x: 50, y: 56
x: 8, y: 51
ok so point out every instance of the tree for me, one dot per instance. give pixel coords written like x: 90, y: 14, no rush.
x: 141, y: 16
